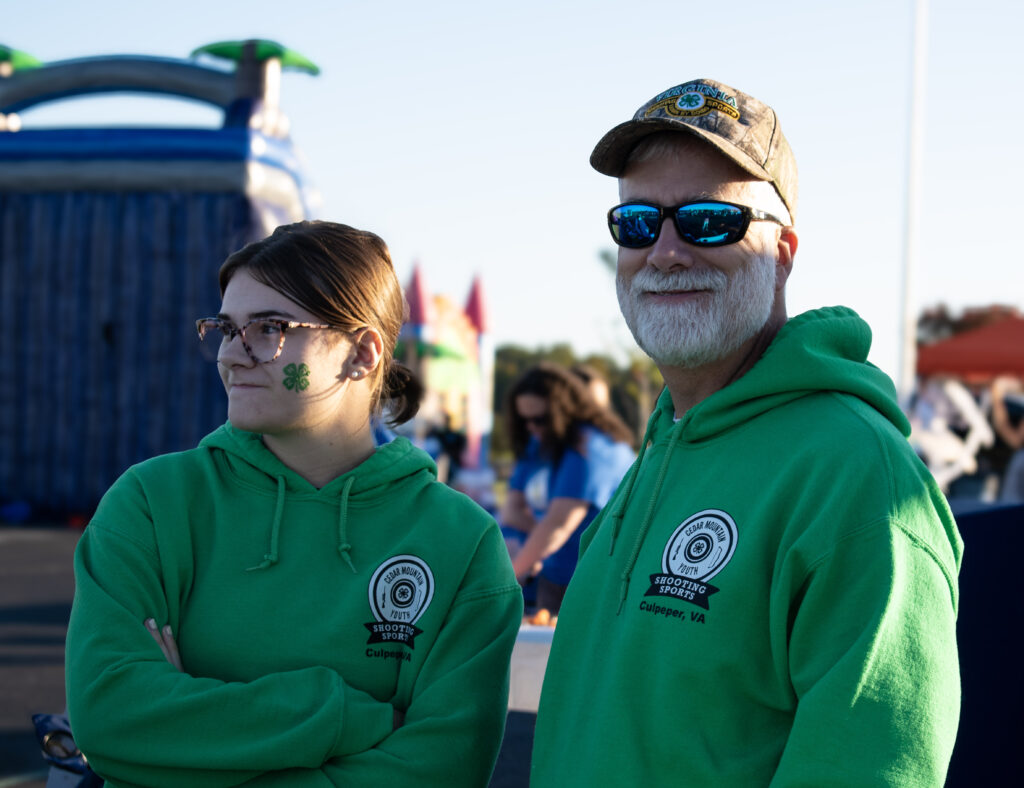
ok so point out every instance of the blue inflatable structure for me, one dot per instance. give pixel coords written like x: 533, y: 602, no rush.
x: 110, y: 241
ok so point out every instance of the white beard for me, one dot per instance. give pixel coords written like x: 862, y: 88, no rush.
x: 709, y: 328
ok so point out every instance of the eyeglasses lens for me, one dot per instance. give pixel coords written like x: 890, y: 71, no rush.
x: 710, y: 224
x: 264, y: 339
x: 635, y: 226
x: 210, y: 338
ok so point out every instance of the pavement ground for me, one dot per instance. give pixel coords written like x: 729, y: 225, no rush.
x: 36, y: 587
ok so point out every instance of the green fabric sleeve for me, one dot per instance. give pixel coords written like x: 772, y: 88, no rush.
x: 139, y: 720
x: 873, y: 663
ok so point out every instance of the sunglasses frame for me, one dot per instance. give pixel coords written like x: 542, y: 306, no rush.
x: 672, y: 211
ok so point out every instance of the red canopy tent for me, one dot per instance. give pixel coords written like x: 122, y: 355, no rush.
x: 978, y: 355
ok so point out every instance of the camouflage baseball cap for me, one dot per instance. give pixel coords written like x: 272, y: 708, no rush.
x: 739, y: 125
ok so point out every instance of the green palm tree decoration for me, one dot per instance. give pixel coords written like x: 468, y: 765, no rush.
x: 18, y: 60
x: 235, y: 50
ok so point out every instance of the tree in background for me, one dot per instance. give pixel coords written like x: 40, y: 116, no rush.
x: 936, y: 323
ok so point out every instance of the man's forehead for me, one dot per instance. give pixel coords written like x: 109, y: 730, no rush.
x: 680, y: 184
x: 670, y: 168
x: 684, y: 175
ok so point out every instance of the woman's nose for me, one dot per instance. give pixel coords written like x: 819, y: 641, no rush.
x: 232, y: 352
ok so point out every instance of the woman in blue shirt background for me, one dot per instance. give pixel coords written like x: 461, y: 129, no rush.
x: 571, y: 454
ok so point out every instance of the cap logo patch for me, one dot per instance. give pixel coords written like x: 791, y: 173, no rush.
x: 692, y: 101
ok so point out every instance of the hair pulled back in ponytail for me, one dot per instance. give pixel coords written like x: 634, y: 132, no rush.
x: 404, y: 392
x: 345, y: 277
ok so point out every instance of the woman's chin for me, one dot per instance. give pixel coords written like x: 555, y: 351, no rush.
x: 243, y: 419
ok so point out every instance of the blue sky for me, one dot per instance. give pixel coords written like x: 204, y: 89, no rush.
x: 490, y: 111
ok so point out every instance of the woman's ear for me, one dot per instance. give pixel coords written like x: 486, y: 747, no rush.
x: 367, y: 348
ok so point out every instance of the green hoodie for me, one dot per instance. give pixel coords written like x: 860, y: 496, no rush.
x: 770, y: 597
x: 303, y: 617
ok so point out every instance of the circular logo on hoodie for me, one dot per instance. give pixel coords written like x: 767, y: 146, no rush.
x: 701, y: 546
x: 400, y: 591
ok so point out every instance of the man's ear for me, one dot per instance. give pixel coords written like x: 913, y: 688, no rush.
x: 787, y: 244
x: 367, y: 348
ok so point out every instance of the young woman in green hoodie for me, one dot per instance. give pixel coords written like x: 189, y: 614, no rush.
x: 287, y: 604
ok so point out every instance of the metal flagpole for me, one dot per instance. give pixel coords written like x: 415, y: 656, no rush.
x: 915, y: 153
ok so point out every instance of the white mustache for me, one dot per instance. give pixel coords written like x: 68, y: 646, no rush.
x: 648, y: 280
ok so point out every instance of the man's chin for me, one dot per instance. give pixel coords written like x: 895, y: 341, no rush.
x: 681, y: 357
x: 682, y: 347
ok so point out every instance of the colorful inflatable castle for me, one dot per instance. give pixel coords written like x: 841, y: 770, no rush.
x: 451, y: 349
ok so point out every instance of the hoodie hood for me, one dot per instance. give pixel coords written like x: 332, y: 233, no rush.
x: 253, y: 464
x: 824, y: 350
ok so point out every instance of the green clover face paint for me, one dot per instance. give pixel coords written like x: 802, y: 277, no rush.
x: 296, y: 378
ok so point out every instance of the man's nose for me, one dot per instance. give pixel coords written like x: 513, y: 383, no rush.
x: 669, y: 252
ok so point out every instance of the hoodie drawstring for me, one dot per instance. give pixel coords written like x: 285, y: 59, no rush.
x: 620, y: 510
x: 275, y: 529
x: 645, y: 524
x: 344, y: 548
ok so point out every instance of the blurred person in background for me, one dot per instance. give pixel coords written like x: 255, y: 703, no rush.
x: 949, y: 430
x: 571, y: 454
x: 596, y: 385
x: 451, y: 444
x: 1008, y: 421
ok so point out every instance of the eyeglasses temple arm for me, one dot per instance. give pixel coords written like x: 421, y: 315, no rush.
x: 762, y: 216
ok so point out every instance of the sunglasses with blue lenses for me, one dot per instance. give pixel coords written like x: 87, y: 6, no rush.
x: 701, y: 223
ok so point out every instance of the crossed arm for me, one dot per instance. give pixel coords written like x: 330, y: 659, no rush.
x: 143, y: 721
x: 164, y: 639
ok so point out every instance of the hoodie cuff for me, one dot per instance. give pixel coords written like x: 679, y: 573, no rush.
x: 365, y: 722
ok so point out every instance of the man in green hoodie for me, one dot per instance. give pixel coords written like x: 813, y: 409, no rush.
x: 771, y: 595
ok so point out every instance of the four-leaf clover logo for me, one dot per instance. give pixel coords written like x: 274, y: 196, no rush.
x: 691, y: 100
x: 296, y: 377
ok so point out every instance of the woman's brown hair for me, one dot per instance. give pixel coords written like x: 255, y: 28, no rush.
x: 345, y: 277
x: 570, y: 407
